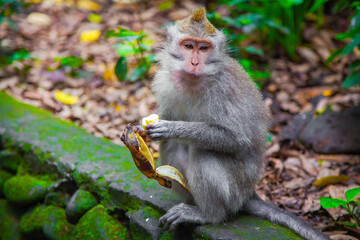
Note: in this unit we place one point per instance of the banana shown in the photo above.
(144, 160)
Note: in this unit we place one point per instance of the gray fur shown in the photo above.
(215, 135)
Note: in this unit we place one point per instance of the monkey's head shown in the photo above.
(195, 47)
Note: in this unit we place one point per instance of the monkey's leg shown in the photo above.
(210, 188)
(175, 154)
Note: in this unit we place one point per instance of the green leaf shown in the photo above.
(269, 137)
(71, 61)
(253, 50)
(257, 75)
(95, 18)
(351, 80)
(125, 49)
(351, 193)
(332, 202)
(125, 35)
(121, 69)
(20, 54)
(354, 65)
(316, 5)
(137, 73)
(163, 6)
(348, 48)
(333, 55)
(346, 35)
(245, 63)
(347, 224)
(355, 21)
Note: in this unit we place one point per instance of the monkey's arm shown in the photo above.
(205, 135)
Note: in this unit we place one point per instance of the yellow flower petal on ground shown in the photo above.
(88, 5)
(65, 98)
(90, 36)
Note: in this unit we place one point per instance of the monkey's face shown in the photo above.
(195, 52)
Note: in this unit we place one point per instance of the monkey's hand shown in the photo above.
(181, 213)
(159, 131)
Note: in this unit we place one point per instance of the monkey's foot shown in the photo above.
(181, 213)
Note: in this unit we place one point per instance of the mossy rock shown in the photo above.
(9, 225)
(79, 203)
(10, 160)
(58, 199)
(4, 175)
(98, 224)
(25, 190)
(45, 222)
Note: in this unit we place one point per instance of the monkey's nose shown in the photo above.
(194, 61)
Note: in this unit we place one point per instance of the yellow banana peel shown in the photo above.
(144, 160)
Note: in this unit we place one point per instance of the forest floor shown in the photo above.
(105, 105)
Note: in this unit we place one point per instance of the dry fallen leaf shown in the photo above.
(322, 182)
(65, 98)
(88, 5)
(39, 19)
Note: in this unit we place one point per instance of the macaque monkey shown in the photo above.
(213, 128)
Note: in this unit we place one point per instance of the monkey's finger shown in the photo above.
(175, 224)
(169, 218)
(163, 221)
(139, 129)
(156, 136)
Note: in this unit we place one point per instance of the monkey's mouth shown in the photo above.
(191, 75)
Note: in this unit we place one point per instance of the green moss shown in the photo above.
(58, 199)
(84, 200)
(9, 229)
(45, 222)
(138, 233)
(98, 224)
(79, 203)
(25, 190)
(3, 177)
(10, 160)
(149, 212)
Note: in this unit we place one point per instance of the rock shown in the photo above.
(3, 177)
(45, 222)
(292, 130)
(9, 226)
(98, 224)
(334, 132)
(79, 203)
(25, 190)
(10, 160)
(144, 223)
(58, 199)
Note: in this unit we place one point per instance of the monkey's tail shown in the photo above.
(269, 211)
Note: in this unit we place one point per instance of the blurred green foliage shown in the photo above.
(351, 205)
(7, 55)
(132, 44)
(352, 34)
(73, 67)
(7, 9)
(276, 21)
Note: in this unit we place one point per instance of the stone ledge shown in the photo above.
(49, 145)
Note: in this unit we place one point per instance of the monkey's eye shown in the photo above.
(188, 46)
(204, 48)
